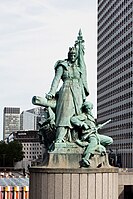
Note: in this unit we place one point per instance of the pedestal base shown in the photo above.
(48, 183)
(98, 161)
(69, 155)
(63, 179)
(65, 155)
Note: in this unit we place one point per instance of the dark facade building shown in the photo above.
(11, 120)
(115, 75)
(31, 146)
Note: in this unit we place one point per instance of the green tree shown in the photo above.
(10, 153)
(3, 152)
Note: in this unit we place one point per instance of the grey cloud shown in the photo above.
(17, 17)
(35, 10)
(73, 4)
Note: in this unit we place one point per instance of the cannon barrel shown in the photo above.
(41, 101)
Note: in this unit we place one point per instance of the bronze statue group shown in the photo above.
(69, 115)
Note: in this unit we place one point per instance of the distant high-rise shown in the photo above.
(115, 75)
(29, 119)
(11, 120)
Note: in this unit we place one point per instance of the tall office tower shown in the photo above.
(11, 120)
(115, 75)
(29, 119)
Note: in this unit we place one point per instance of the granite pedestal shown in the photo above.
(63, 179)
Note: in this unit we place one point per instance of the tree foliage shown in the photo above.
(10, 153)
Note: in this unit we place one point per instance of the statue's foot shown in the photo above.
(85, 163)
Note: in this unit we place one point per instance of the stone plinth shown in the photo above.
(73, 183)
(65, 155)
(69, 155)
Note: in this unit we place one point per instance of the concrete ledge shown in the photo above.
(43, 169)
(125, 178)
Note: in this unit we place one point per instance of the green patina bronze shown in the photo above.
(73, 120)
(88, 134)
(73, 91)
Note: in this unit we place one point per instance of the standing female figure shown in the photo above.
(70, 96)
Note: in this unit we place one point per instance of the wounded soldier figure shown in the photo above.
(89, 133)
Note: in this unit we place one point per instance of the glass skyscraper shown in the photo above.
(115, 75)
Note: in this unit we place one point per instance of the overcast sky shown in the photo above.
(34, 34)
